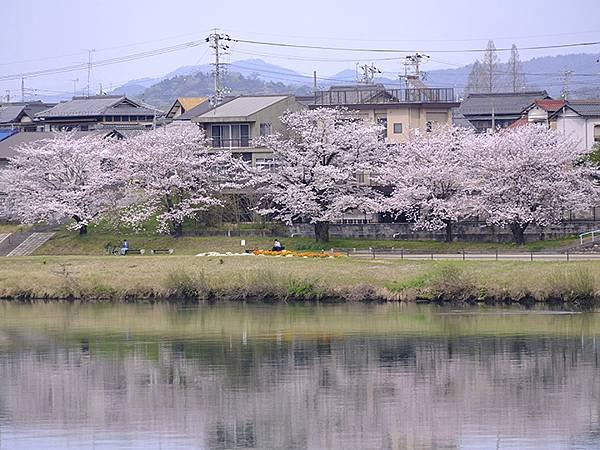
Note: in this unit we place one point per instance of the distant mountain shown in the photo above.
(255, 76)
(546, 72)
(201, 84)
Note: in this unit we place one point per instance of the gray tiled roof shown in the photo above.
(502, 103)
(242, 107)
(586, 108)
(95, 106)
(9, 145)
(9, 113)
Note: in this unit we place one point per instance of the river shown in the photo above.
(294, 377)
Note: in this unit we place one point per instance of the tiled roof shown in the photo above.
(95, 106)
(242, 106)
(585, 107)
(512, 103)
(549, 104)
(9, 113)
(519, 123)
(9, 145)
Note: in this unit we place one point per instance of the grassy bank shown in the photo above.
(69, 243)
(188, 278)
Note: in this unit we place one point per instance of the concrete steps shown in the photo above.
(30, 244)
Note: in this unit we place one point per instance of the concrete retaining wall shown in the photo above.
(466, 231)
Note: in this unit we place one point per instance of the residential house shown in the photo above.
(235, 124)
(182, 105)
(497, 110)
(580, 118)
(97, 112)
(22, 115)
(398, 110)
(540, 111)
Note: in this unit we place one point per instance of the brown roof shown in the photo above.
(519, 123)
(191, 102)
(549, 104)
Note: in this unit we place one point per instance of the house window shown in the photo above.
(382, 121)
(596, 133)
(268, 164)
(230, 135)
(265, 129)
(397, 128)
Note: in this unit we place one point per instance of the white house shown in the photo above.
(581, 119)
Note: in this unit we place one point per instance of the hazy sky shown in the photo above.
(44, 34)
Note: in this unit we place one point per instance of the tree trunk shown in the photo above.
(176, 229)
(518, 232)
(448, 231)
(322, 232)
(82, 228)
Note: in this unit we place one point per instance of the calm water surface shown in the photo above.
(391, 376)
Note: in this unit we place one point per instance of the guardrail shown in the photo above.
(593, 234)
(480, 255)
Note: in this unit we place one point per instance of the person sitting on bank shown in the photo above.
(277, 247)
(124, 247)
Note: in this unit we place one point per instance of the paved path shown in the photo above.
(29, 245)
(3, 237)
(482, 256)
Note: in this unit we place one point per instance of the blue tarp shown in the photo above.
(6, 133)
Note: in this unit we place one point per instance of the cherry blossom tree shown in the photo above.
(172, 175)
(65, 176)
(430, 179)
(318, 160)
(530, 176)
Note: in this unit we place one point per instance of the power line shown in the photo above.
(382, 50)
(104, 62)
(484, 39)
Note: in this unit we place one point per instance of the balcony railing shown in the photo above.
(378, 95)
(231, 143)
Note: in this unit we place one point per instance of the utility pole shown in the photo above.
(8, 96)
(217, 42)
(75, 86)
(22, 89)
(415, 61)
(314, 82)
(367, 73)
(565, 79)
(89, 71)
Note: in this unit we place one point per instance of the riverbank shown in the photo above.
(271, 279)
(95, 242)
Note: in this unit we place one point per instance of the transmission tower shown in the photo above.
(566, 76)
(366, 73)
(218, 43)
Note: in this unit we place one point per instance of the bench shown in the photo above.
(131, 251)
(161, 251)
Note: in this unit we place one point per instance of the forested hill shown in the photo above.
(201, 84)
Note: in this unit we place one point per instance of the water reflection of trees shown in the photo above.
(357, 392)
